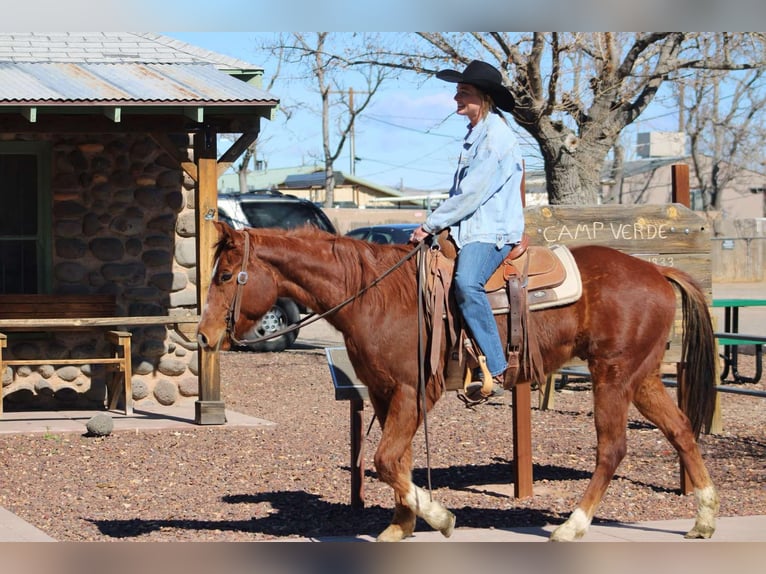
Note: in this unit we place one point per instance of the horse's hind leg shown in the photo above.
(610, 412)
(653, 401)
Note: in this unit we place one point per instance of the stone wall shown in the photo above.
(122, 223)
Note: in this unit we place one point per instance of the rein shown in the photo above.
(242, 277)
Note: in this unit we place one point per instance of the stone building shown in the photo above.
(104, 188)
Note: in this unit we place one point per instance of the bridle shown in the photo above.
(233, 313)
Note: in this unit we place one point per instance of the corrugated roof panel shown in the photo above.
(109, 47)
(58, 83)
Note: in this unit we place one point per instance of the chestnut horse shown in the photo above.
(619, 326)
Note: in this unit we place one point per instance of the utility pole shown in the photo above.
(352, 143)
(351, 130)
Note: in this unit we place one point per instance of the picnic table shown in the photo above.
(732, 339)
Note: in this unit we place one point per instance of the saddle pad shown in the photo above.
(566, 292)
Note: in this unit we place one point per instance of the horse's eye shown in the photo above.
(225, 277)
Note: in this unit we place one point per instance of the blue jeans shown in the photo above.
(475, 263)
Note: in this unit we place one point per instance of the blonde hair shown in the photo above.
(488, 106)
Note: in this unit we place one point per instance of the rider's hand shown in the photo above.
(418, 235)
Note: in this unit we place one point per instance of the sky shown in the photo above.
(408, 136)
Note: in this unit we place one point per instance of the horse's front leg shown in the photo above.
(393, 462)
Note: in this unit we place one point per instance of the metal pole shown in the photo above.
(352, 154)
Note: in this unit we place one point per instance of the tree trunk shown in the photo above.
(329, 185)
(572, 178)
(242, 173)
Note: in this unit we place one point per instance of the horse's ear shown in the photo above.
(223, 228)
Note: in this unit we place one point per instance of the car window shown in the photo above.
(223, 216)
(358, 233)
(379, 237)
(283, 215)
(401, 235)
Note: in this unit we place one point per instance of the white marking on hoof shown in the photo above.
(449, 529)
(394, 533)
(575, 527)
(437, 517)
(707, 509)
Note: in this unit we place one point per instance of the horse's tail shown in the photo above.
(698, 350)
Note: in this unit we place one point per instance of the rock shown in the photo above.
(100, 424)
(165, 392)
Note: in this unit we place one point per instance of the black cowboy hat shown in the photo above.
(485, 77)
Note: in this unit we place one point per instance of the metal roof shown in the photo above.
(122, 83)
(67, 70)
(109, 47)
(317, 179)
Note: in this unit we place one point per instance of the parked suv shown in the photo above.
(272, 209)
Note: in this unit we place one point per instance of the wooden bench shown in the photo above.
(44, 313)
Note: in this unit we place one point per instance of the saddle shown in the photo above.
(528, 279)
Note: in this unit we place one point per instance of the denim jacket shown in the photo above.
(485, 198)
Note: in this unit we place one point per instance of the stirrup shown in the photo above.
(478, 390)
(486, 388)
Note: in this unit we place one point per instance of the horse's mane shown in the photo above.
(362, 261)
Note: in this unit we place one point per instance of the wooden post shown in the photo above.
(522, 439)
(356, 420)
(680, 186)
(546, 392)
(686, 483)
(209, 409)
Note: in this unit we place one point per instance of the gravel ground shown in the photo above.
(292, 480)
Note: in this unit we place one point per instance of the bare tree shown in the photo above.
(249, 155)
(328, 70)
(575, 92)
(724, 120)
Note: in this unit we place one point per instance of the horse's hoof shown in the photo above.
(394, 533)
(450, 527)
(699, 533)
(566, 533)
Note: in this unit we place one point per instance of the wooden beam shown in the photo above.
(209, 409)
(162, 140)
(236, 150)
(97, 122)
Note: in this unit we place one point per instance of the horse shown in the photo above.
(619, 326)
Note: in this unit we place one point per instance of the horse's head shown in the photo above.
(238, 276)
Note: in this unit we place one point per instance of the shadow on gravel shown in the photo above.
(464, 477)
(300, 514)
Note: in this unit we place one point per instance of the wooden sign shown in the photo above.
(665, 234)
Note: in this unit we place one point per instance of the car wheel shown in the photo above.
(283, 314)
